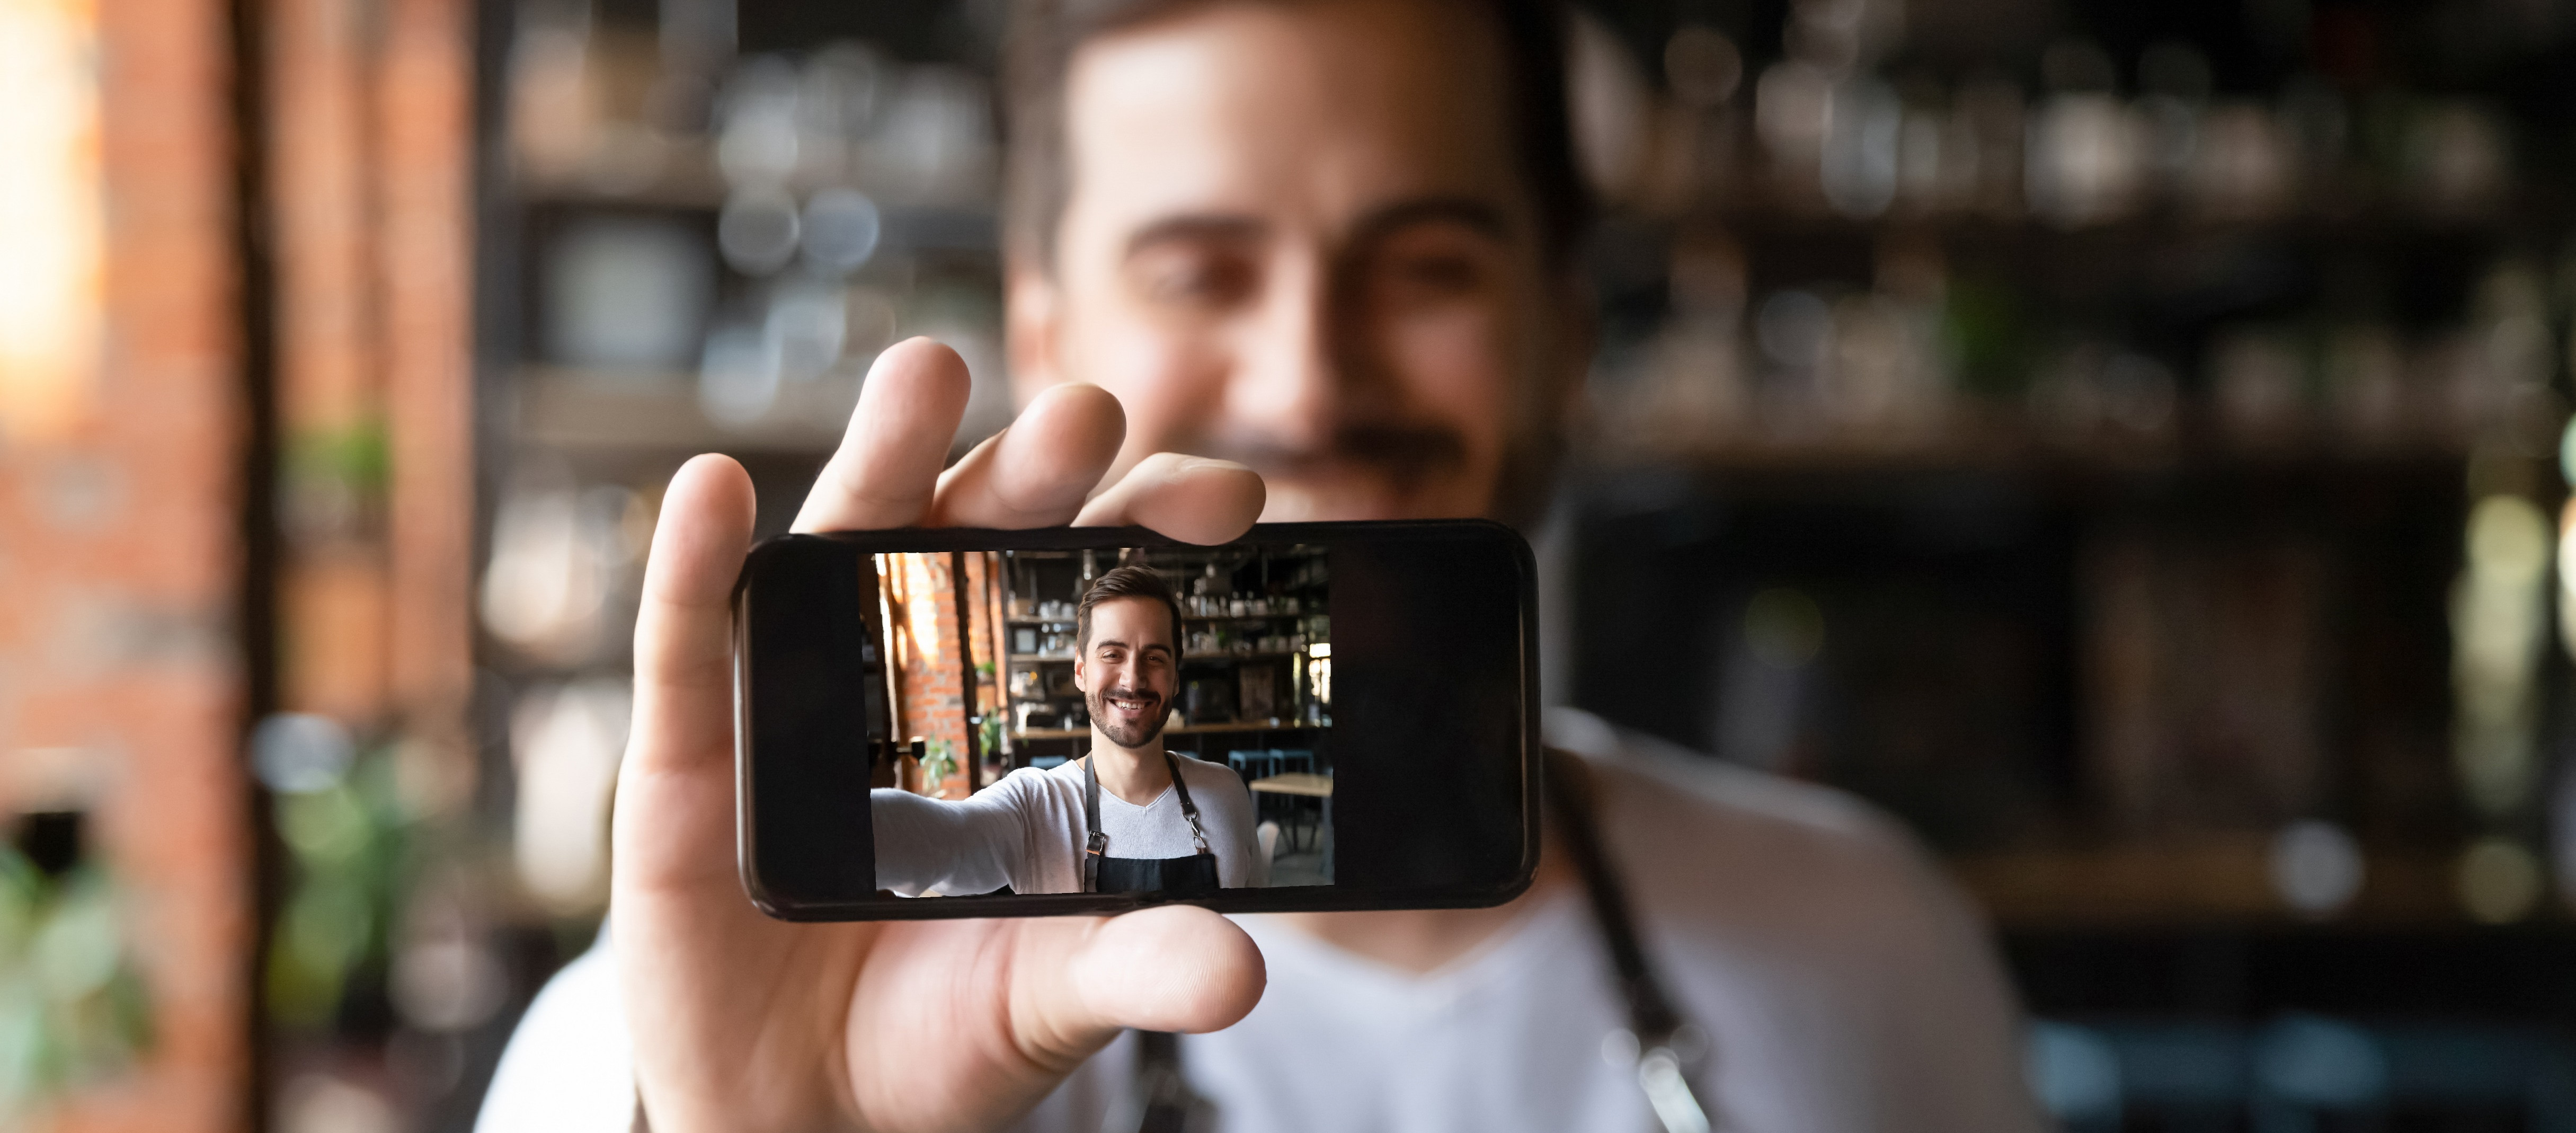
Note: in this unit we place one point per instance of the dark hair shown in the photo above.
(1125, 582)
(1037, 57)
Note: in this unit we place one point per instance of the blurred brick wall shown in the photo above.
(120, 564)
(425, 258)
(371, 152)
(121, 554)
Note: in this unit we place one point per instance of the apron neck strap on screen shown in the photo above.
(1095, 845)
(1094, 842)
(1198, 833)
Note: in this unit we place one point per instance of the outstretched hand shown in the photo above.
(741, 1022)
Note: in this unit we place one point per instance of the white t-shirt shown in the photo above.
(1845, 986)
(1027, 832)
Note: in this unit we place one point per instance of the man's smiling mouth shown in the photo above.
(1133, 705)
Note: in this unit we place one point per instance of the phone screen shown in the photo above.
(938, 723)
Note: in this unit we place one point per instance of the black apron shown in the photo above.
(1666, 1050)
(1190, 875)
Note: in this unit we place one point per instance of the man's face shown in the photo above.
(1295, 238)
(1127, 671)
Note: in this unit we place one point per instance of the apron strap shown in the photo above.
(1095, 845)
(1198, 833)
(1667, 1044)
(1569, 796)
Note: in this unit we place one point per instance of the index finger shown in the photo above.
(888, 464)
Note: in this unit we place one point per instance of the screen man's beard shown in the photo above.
(1125, 734)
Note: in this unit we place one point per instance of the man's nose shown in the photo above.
(1288, 385)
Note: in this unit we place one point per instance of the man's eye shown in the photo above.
(1196, 280)
(1441, 273)
(1431, 276)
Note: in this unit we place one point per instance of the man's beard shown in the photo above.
(1124, 734)
(1405, 467)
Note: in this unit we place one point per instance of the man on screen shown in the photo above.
(1128, 818)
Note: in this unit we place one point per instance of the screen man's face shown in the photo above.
(1295, 238)
(1127, 671)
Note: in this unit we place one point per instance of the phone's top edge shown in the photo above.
(1048, 538)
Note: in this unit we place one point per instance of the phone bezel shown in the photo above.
(1288, 899)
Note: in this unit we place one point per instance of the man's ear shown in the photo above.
(1032, 329)
(1081, 679)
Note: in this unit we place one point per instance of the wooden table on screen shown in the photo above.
(1309, 785)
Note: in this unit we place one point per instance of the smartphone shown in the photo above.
(977, 723)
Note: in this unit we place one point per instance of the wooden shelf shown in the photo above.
(1975, 437)
(2202, 879)
(1182, 730)
(569, 409)
(686, 180)
(2352, 218)
(1184, 617)
(1186, 658)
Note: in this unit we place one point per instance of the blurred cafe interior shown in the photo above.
(2123, 442)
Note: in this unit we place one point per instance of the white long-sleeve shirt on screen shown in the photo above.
(1846, 988)
(1027, 832)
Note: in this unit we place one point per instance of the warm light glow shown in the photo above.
(2499, 628)
(51, 226)
(2498, 881)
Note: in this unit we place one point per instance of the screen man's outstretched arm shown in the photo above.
(974, 846)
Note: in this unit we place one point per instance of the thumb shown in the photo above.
(1175, 968)
(1024, 1002)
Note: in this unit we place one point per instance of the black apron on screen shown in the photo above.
(1190, 875)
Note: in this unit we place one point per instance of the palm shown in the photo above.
(743, 1022)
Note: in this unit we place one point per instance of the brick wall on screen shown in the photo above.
(933, 701)
(931, 672)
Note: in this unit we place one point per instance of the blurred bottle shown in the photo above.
(1694, 390)
(2458, 160)
(2259, 379)
(2089, 151)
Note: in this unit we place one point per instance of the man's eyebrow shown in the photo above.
(1481, 216)
(1196, 226)
(1114, 643)
(1468, 212)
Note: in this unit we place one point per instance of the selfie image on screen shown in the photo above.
(1146, 720)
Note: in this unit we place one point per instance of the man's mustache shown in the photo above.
(1406, 455)
(1131, 694)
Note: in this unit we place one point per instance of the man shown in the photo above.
(1330, 239)
(1129, 817)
